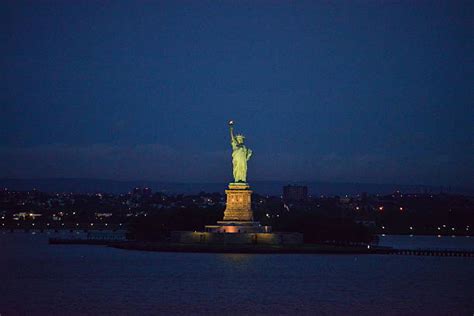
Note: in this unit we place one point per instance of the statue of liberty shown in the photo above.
(240, 155)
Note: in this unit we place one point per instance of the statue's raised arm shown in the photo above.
(232, 137)
(240, 155)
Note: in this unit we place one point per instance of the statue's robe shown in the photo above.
(240, 156)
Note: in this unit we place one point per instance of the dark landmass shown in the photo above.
(228, 248)
(151, 216)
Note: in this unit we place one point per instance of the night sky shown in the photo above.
(350, 91)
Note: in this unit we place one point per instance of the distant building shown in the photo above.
(147, 192)
(345, 199)
(295, 193)
(25, 215)
(142, 192)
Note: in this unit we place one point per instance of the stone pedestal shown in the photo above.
(239, 203)
(238, 215)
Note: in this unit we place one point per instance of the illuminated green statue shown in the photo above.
(240, 155)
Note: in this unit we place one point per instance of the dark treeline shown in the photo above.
(159, 225)
(320, 228)
(315, 227)
(153, 215)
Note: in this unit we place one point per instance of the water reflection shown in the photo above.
(236, 258)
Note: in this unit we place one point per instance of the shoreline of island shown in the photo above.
(251, 249)
(160, 246)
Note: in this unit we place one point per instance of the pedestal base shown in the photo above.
(238, 227)
(184, 237)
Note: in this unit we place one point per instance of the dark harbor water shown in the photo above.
(39, 279)
(427, 242)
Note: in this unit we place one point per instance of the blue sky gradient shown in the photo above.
(351, 91)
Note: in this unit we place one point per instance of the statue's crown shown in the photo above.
(240, 136)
